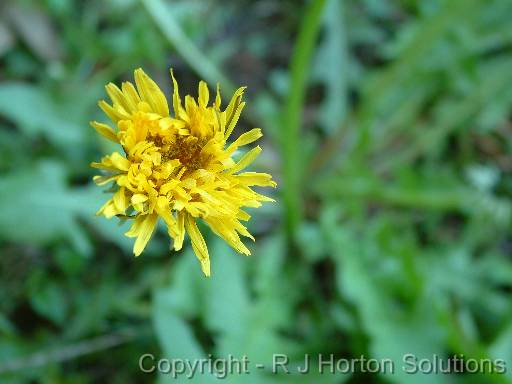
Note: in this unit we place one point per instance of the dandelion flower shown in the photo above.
(178, 168)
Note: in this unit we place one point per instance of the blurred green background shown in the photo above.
(387, 127)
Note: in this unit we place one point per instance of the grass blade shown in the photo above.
(199, 62)
(299, 70)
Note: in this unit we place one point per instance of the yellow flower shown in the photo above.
(178, 168)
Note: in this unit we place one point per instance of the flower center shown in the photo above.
(187, 149)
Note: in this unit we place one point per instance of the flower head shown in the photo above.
(178, 168)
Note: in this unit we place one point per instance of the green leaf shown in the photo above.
(37, 207)
(176, 338)
(331, 67)
(501, 348)
(50, 301)
(392, 332)
(35, 112)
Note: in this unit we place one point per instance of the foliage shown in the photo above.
(388, 126)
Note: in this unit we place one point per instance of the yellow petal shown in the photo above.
(256, 178)
(134, 229)
(233, 110)
(108, 210)
(242, 215)
(118, 98)
(131, 95)
(246, 159)
(119, 161)
(138, 198)
(190, 103)
(105, 131)
(244, 139)
(204, 94)
(221, 121)
(102, 180)
(114, 162)
(198, 244)
(225, 229)
(120, 201)
(218, 98)
(103, 165)
(180, 231)
(151, 93)
(142, 228)
(114, 114)
(176, 100)
(170, 221)
(234, 102)
(234, 119)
